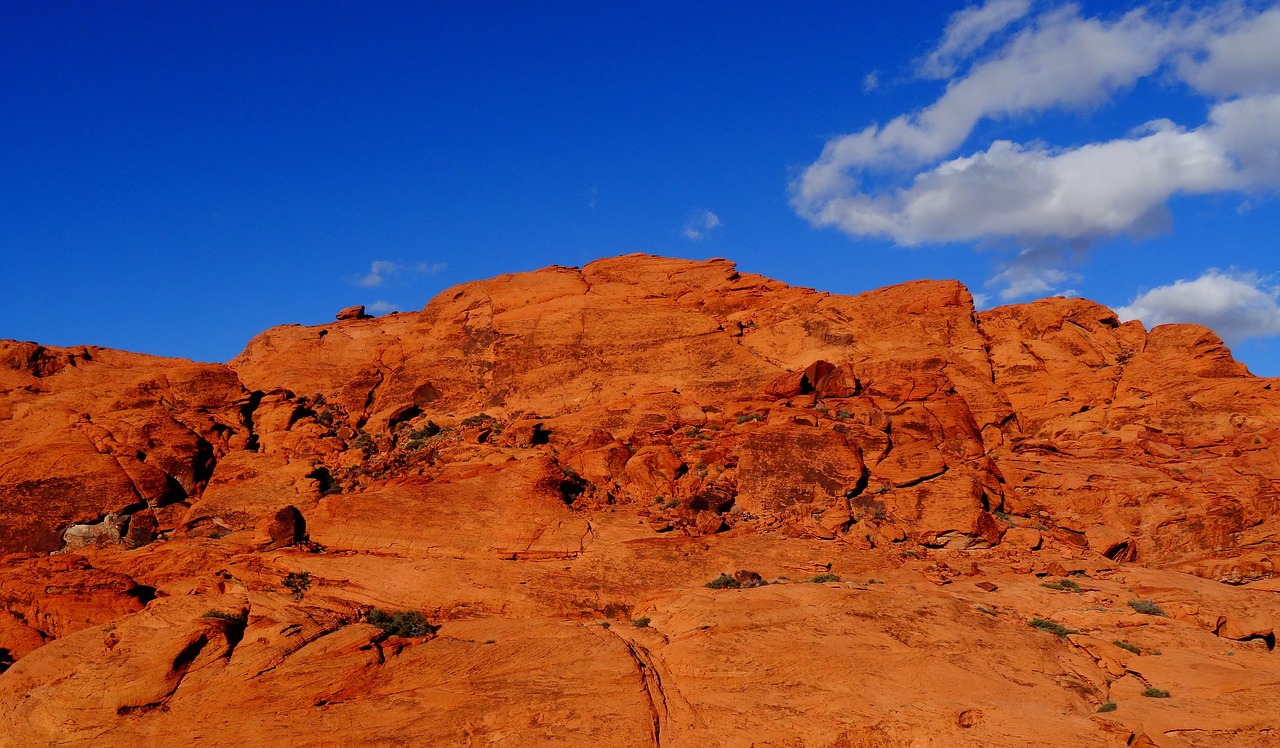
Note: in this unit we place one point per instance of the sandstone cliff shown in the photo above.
(540, 462)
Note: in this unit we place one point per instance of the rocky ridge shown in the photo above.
(542, 462)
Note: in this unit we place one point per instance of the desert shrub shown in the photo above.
(400, 623)
(1065, 585)
(1155, 693)
(987, 611)
(745, 417)
(1052, 627)
(420, 436)
(1148, 607)
(641, 623)
(615, 610)
(477, 419)
(297, 583)
(823, 578)
(744, 580)
(240, 617)
(1128, 646)
(1110, 706)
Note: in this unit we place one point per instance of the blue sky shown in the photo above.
(181, 176)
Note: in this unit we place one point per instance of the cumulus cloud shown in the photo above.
(382, 307)
(967, 31)
(905, 181)
(699, 224)
(1234, 305)
(384, 271)
(1239, 59)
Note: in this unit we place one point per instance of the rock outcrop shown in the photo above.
(548, 467)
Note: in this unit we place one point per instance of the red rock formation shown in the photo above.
(536, 460)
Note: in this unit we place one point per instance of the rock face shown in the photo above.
(549, 467)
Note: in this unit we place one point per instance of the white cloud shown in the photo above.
(699, 225)
(382, 307)
(379, 271)
(905, 181)
(1239, 59)
(1234, 305)
(1032, 193)
(871, 82)
(430, 268)
(967, 31)
(1032, 272)
(383, 271)
(1062, 61)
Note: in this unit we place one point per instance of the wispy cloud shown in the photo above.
(967, 31)
(1234, 305)
(379, 271)
(699, 224)
(1032, 272)
(382, 272)
(382, 307)
(1033, 193)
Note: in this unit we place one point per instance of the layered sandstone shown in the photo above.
(536, 460)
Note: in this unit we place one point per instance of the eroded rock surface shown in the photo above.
(975, 528)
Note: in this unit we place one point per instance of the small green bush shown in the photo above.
(641, 623)
(1056, 629)
(240, 617)
(1155, 693)
(1128, 646)
(1148, 607)
(404, 623)
(297, 583)
(1065, 585)
(729, 582)
(823, 578)
(1110, 706)
(750, 417)
(417, 438)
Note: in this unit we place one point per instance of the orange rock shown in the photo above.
(491, 464)
(1023, 538)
